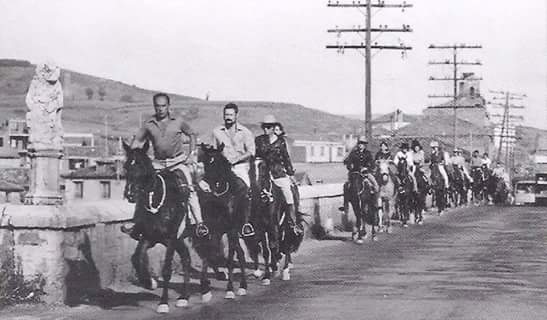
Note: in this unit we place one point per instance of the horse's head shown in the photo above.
(216, 166)
(383, 169)
(402, 167)
(138, 170)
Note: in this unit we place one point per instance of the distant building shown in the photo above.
(393, 121)
(318, 151)
(471, 105)
(102, 181)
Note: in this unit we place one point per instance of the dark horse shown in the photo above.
(405, 192)
(160, 209)
(497, 189)
(459, 186)
(439, 187)
(478, 176)
(223, 211)
(274, 234)
(364, 204)
(420, 195)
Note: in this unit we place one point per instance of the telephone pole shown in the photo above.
(368, 46)
(454, 63)
(507, 126)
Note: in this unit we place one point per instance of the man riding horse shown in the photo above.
(360, 160)
(166, 132)
(272, 149)
(239, 147)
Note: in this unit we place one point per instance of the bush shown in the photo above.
(89, 93)
(14, 288)
(127, 98)
(102, 93)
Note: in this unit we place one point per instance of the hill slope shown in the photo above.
(125, 105)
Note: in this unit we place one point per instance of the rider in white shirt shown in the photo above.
(486, 161)
(403, 154)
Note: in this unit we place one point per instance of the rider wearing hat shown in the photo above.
(437, 160)
(458, 160)
(404, 155)
(383, 153)
(360, 160)
(272, 149)
(476, 161)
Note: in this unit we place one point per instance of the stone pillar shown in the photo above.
(45, 103)
(44, 177)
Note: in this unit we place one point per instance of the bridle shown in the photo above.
(150, 208)
(226, 189)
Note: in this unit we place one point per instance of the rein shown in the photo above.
(151, 208)
(220, 194)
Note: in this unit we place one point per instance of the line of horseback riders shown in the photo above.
(385, 186)
(238, 186)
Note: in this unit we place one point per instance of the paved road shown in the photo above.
(479, 263)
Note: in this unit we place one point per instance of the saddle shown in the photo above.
(183, 187)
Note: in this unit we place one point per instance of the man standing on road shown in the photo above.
(239, 147)
(166, 133)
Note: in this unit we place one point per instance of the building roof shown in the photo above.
(6, 186)
(388, 117)
(107, 170)
(441, 125)
(9, 153)
(83, 151)
(465, 101)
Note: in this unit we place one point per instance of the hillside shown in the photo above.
(124, 105)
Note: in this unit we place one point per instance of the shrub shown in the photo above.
(89, 93)
(14, 288)
(127, 98)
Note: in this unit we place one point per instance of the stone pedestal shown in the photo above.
(44, 177)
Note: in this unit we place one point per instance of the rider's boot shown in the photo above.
(132, 230)
(247, 229)
(298, 228)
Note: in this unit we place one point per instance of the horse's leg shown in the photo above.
(286, 269)
(182, 250)
(204, 283)
(140, 263)
(242, 291)
(357, 213)
(268, 259)
(166, 272)
(231, 251)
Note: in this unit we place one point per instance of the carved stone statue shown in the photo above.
(45, 103)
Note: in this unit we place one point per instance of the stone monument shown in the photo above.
(45, 103)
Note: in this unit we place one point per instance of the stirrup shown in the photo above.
(201, 230)
(247, 230)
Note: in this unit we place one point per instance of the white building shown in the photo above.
(317, 151)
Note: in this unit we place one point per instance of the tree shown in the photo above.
(102, 92)
(89, 93)
(127, 98)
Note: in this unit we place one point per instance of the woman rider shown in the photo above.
(383, 153)
(273, 150)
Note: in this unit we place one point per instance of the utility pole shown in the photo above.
(106, 135)
(368, 46)
(507, 136)
(454, 63)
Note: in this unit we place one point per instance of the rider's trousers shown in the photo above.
(284, 183)
(443, 173)
(193, 202)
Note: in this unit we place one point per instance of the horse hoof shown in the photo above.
(286, 275)
(374, 239)
(359, 241)
(405, 225)
(230, 295)
(206, 297)
(153, 284)
(420, 222)
(163, 308)
(258, 273)
(241, 292)
(266, 282)
(182, 303)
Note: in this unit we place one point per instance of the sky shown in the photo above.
(275, 50)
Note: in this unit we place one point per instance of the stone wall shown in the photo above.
(80, 245)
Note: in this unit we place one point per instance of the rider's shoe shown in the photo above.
(298, 229)
(247, 230)
(201, 230)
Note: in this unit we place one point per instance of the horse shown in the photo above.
(274, 232)
(159, 214)
(498, 189)
(387, 196)
(458, 186)
(477, 186)
(223, 212)
(420, 195)
(439, 188)
(363, 201)
(405, 191)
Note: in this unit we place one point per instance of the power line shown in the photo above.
(454, 78)
(367, 45)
